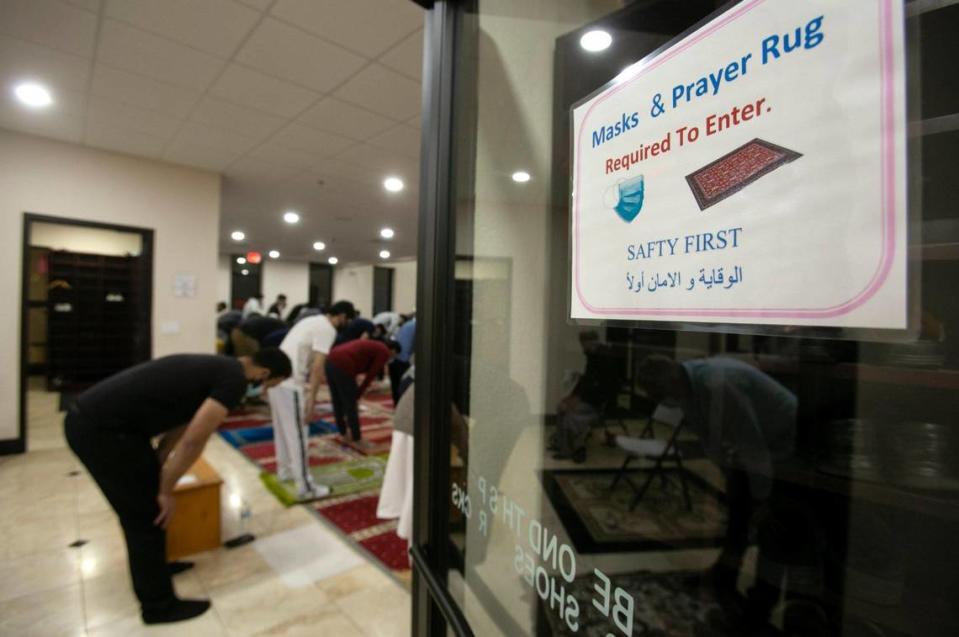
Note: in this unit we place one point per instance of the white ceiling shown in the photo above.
(300, 104)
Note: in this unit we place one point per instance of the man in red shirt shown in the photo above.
(344, 363)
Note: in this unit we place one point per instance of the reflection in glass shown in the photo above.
(611, 480)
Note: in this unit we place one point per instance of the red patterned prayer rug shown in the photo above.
(737, 169)
(355, 515)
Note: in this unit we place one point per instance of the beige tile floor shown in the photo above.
(48, 589)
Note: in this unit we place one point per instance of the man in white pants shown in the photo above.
(307, 344)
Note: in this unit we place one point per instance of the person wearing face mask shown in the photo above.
(180, 400)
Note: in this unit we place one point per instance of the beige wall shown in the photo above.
(181, 205)
(404, 287)
(57, 236)
(289, 278)
(354, 283)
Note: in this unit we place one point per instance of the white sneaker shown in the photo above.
(315, 492)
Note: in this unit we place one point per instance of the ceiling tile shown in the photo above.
(256, 90)
(370, 87)
(131, 49)
(335, 116)
(250, 169)
(186, 152)
(25, 60)
(406, 57)
(63, 122)
(340, 175)
(109, 113)
(214, 26)
(124, 140)
(400, 139)
(218, 138)
(60, 26)
(89, 5)
(365, 26)
(260, 5)
(315, 142)
(145, 92)
(380, 164)
(290, 53)
(250, 122)
(280, 155)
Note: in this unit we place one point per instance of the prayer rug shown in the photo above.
(735, 170)
(354, 474)
(355, 516)
(599, 520)
(343, 478)
(670, 604)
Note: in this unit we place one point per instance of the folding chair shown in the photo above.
(658, 451)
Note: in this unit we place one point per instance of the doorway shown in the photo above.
(246, 280)
(321, 285)
(86, 307)
(382, 290)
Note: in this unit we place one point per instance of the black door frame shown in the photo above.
(19, 444)
(434, 609)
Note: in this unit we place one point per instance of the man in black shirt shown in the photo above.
(182, 399)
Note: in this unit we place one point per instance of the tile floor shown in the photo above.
(48, 589)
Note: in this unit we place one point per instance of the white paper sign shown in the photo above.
(184, 286)
(754, 172)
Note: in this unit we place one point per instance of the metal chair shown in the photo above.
(659, 451)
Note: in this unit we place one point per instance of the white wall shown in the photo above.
(404, 287)
(58, 236)
(289, 278)
(354, 283)
(181, 205)
(224, 281)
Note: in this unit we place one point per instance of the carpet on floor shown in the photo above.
(353, 472)
(356, 517)
(667, 604)
(599, 520)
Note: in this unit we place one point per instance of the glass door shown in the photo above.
(764, 475)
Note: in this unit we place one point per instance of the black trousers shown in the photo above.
(397, 369)
(343, 393)
(784, 536)
(127, 470)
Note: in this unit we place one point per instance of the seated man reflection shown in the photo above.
(595, 390)
(747, 422)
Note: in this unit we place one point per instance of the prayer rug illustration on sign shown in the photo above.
(737, 169)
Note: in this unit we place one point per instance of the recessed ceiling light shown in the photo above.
(274, 254)
(244, 272)
(241, 260)
(387, 233)
(521, 176)
(238, 235)
(319, 245)
(596, 40)
(291, 216)
(384, 254)
(333, 260)
(393, 184)
(33, 95)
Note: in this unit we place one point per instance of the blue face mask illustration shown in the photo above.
(631, 195)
